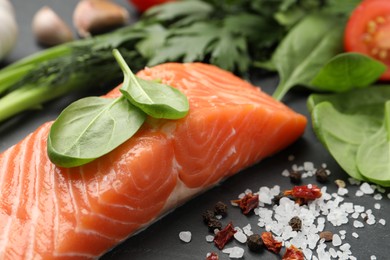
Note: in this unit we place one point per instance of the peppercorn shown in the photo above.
(220, 208)
(207, 216)
(295, 177)
(295, 223)
(255, 243)
(214, 224)
(276, 199)
(327, 235)
(321, 175)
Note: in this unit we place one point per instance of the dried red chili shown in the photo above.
(270, 242)
(247, 203)
(305, 192)
(223, 236)
(212, 256)
(293, 253)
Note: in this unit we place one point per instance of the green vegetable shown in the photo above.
(156, 100)
(373, 155)
(305, 50)
(353, 126)
(92, 127)
(348, 70)
(234, 35)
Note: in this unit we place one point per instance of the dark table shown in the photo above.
(161, 239)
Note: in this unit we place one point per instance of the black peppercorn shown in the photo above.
(295, 177)
(220, 208)
(321, 175)
(255, 243)
(207, 215)
(276, 199)
(295, 223)
(214, 224)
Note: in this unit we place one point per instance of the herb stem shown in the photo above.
(32, 96)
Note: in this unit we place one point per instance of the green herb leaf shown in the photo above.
(155, 99)
(373, 155)
(305, 50)
(91, 127)
(175, 10)
(353, 126)
(347, 71)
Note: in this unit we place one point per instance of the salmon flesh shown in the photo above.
(48, 212)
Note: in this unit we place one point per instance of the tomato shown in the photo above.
(143, 5)
(368, 31)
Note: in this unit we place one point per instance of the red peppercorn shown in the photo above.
(293, 253)
(247, 203)
(270, 242)
(223, 236)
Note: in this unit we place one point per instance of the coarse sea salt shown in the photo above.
(185, 236)
(366, 188)
(234, 252)
(355, 235)
(240, 237)
(209, 238)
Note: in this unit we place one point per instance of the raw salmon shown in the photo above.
(49, 212)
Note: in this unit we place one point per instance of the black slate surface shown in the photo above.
(160, 240)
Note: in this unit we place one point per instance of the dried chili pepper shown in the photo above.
(247, 203)
(212, 256)
(293, 253)
(223, 236)
(304, 193)
(270, 243)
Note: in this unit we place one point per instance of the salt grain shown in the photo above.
(234, 252)
(378, 196)
(377, 206)
(209, 238)
(240, 237)
(373, 257)
(336, 240)
(342, 191)
(285, 173)
(358, 224)
(366, 188)
(355, 235)
(382, 221)
(359, 193)
(185, 236)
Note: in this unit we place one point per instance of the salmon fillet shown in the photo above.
(79, 213)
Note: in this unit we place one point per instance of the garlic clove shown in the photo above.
(49, 29)
(94, 16)
(9, 29)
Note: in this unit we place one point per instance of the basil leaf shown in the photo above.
(373, 155)
(305, 49)
(155, 99)
(91, 127)
(347, 71)
(354, 127)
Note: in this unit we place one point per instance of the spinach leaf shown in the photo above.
(155, 99)
(305, 49)
(373, 155)
(91, 127)
(353, 126)
(347, 71)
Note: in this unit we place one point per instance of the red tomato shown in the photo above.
(368, 31)
(143, 5)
